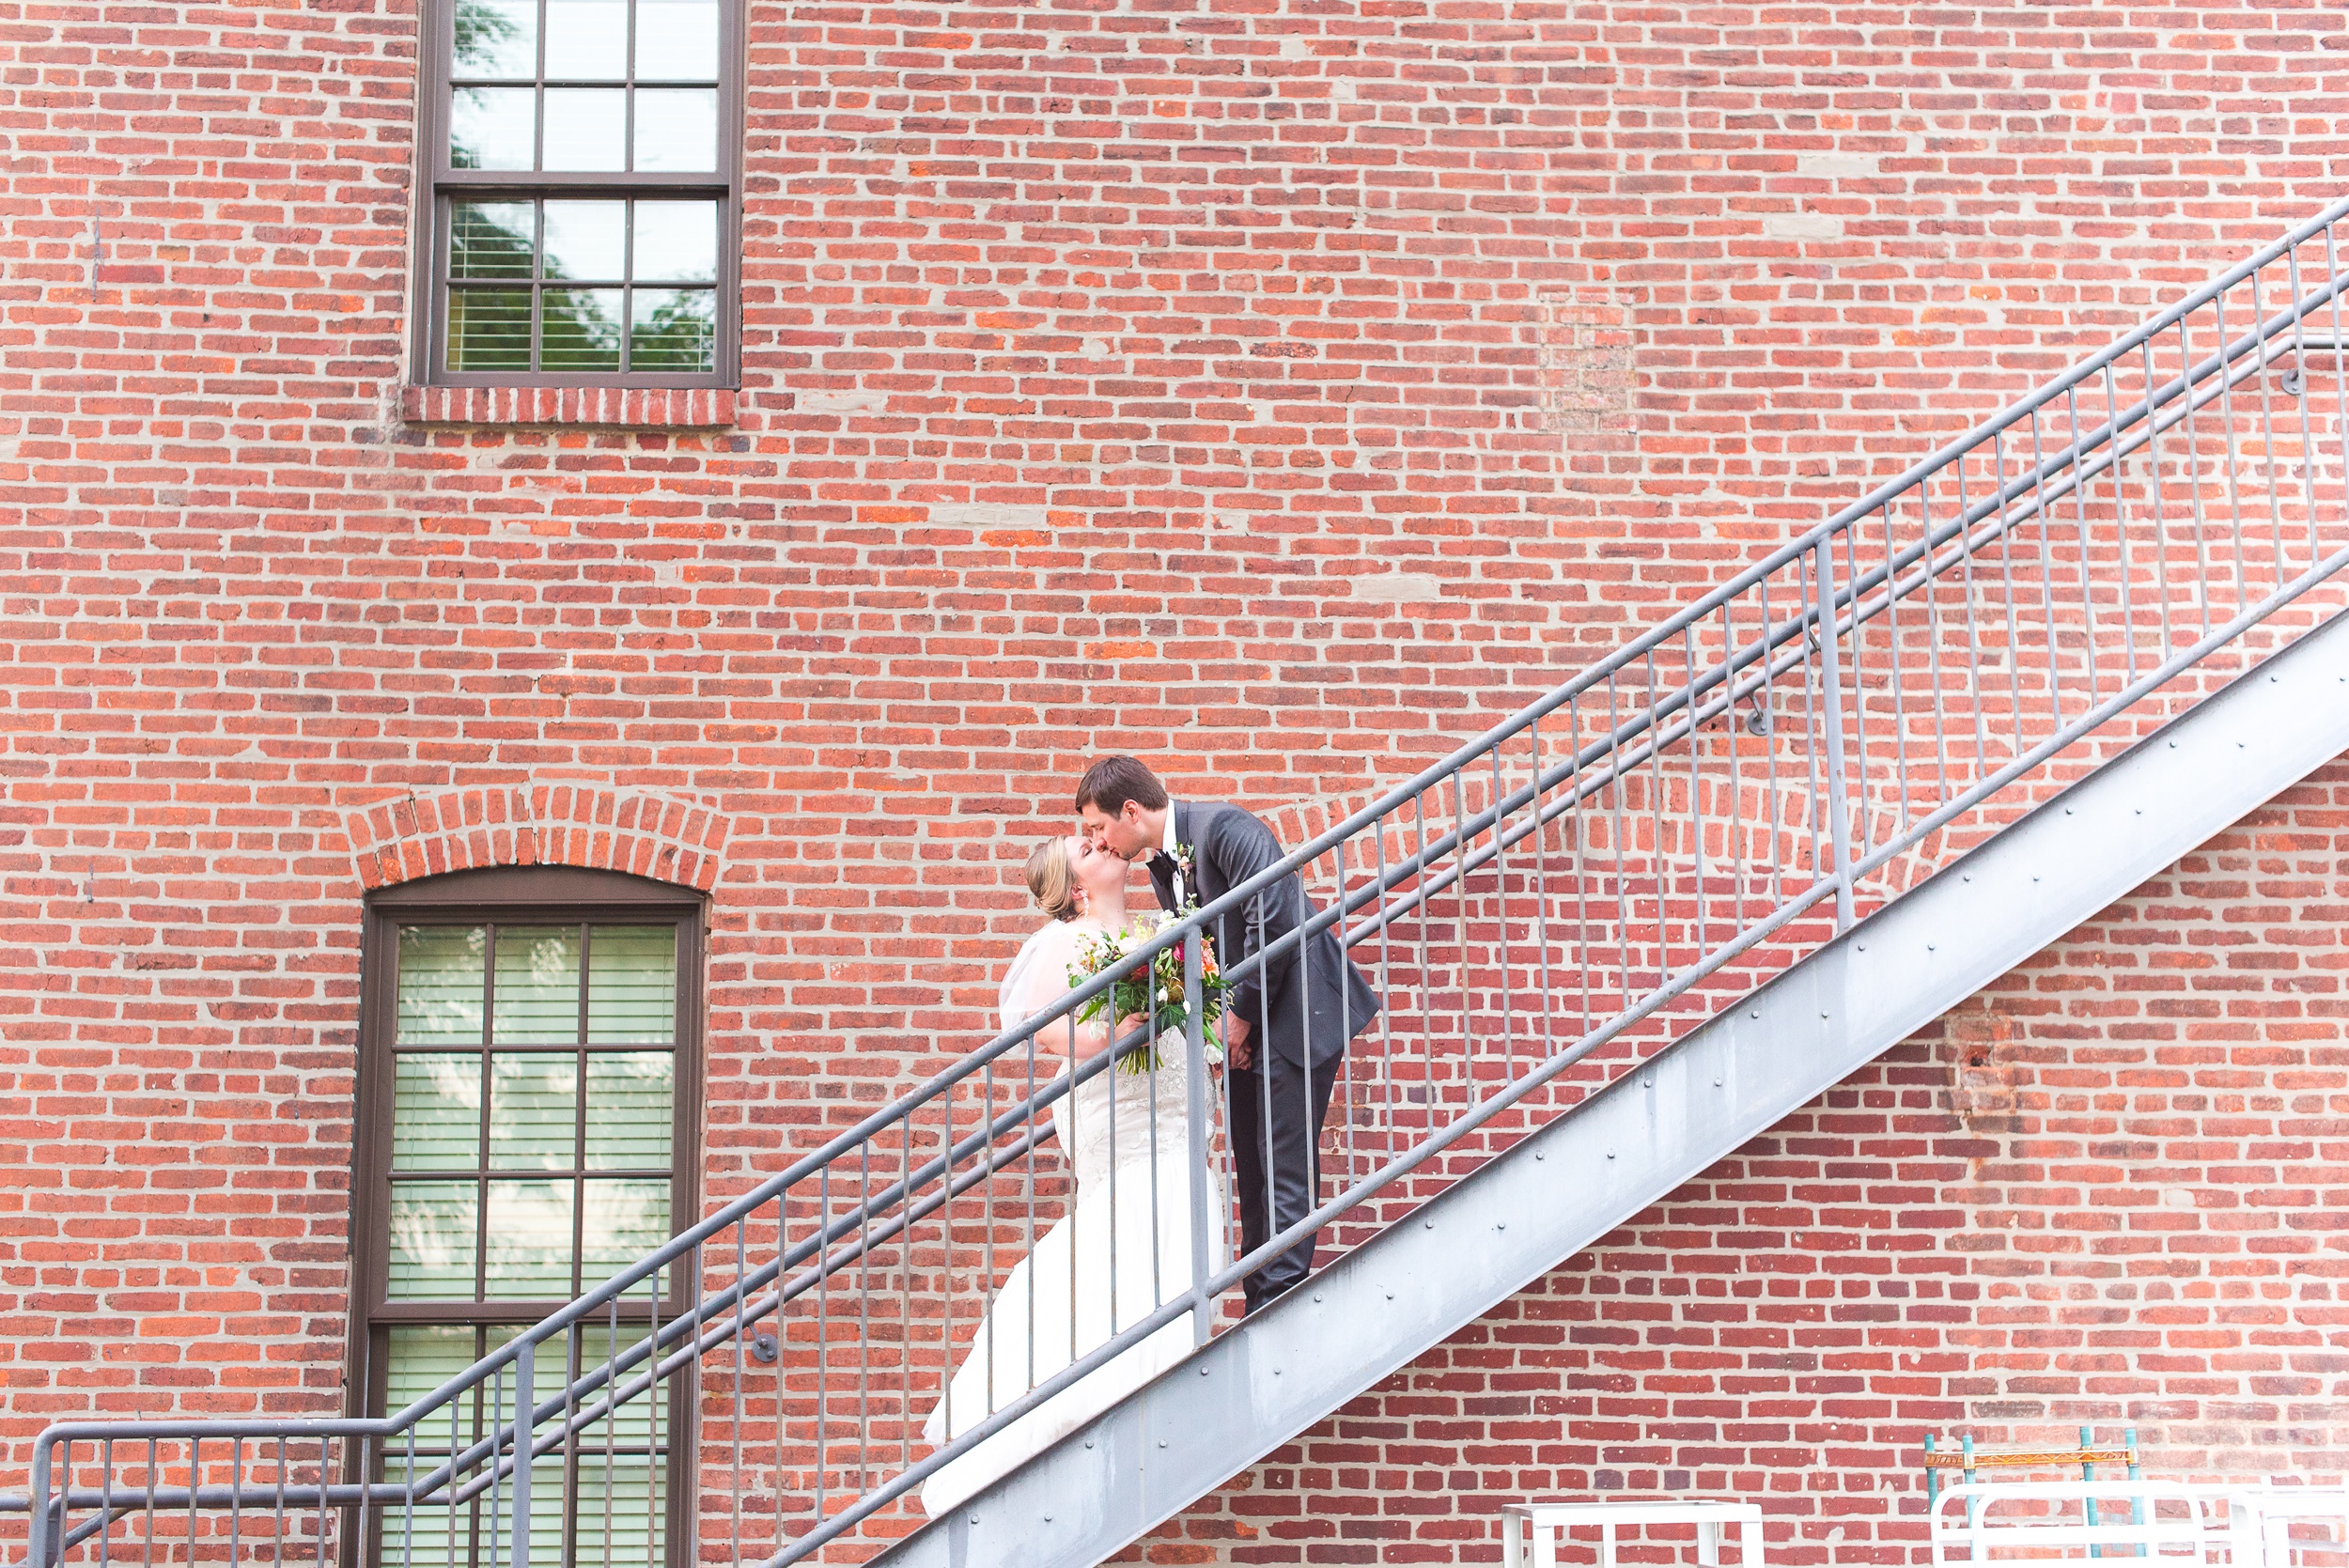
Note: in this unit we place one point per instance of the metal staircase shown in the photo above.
(1617, 936)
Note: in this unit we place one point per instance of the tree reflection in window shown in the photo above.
(581, 188)
(564, 287)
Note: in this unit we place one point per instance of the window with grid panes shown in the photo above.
(585, 169)
(526, 1069)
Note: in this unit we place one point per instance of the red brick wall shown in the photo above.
(2108, 1191)
(1201, 379)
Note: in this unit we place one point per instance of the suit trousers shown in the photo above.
(1277, 1109)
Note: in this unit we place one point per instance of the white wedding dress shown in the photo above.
(1132, 1189)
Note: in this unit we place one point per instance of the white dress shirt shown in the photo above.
(1168, 850)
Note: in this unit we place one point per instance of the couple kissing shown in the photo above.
(1125, 1247)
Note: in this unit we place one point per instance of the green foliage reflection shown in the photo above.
(578, 330)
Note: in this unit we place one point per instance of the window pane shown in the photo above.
(625, 1220)
(673, 329)
(418, 1360)
(441, 970)
(587, 40)
(586, 128)
(533, 1110)
(489, 239)
(547, 1507)
(632, 983)
(677, 241)
(622, 1513)
(581, 330)
(490, 128)
(530, 1241)
(488, 328)
(676, 130)
(436, 1111)
(676, 41)
(642, 1420)
(587, 239)
(630, 1101)
(537, 984)
(432, 1241)
(497, 41)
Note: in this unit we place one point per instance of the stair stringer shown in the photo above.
(1563, 1188)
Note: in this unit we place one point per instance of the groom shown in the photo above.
(1285, 1027)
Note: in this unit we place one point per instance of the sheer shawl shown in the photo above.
(1040, 975)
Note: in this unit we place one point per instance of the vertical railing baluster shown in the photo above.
(2194, 486)
(525, 1403)
(2308, 442)
(2340, 382)
(2267, 434)
(1892, 645)
(154, 1473)
(741, 1371)
(1195, 1155)
(2234, 459)
(1835, 802)
(42, 1535)
(2119, 476)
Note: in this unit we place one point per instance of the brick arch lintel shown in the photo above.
(639, 832)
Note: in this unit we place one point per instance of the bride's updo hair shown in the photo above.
(1052, 881)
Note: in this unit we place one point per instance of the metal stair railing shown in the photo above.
(1570, 890)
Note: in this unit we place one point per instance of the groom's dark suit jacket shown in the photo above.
(1309, 1000)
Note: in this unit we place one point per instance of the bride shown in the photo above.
(1127, 1137)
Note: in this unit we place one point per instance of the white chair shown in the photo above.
(2258, 1529)
(1532, 1532)
(2058, 1521)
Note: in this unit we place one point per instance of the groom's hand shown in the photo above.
(1236, 1052)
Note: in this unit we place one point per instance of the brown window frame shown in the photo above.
(534, 896)
(443, 183)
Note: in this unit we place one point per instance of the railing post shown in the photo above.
(525, 1405)
(40, 1551)
(1195, 1112)
(1838, 804)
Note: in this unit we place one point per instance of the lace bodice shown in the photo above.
(1113, 1116)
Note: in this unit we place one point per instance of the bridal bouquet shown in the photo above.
(1154, 993)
